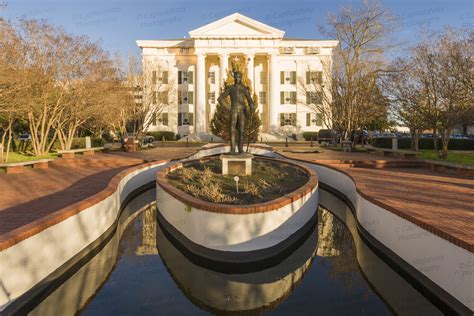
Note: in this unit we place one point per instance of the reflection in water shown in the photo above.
(142, 272)
(149, 225)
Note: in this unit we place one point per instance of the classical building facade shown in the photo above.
(289, 76)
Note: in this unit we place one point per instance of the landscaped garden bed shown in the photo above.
(269, 180)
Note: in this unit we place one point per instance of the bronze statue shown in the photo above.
(238, 93)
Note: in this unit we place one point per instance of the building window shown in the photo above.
(263, 77)
(212, 77)
(185, 77)
(314, 98)
(185, 119)
(164, 77)
(212, 97)
(185, 97)
(160, 119)
(163, 97)
(287, 77)
(288, 97)
(287, 119)
(314, 119)
(262, 97)
(153, 77)
(314, 77)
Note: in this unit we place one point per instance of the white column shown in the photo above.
(224, 64)
(200, 125)
(250, 70)
(274, 91)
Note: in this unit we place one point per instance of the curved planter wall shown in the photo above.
(29, 262)
(233, 228)
(448, 266)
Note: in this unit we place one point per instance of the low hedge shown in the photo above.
(159, 135)
(308, 135)
(77, 142)
(423, 143)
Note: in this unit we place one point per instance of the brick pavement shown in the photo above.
(439, 202)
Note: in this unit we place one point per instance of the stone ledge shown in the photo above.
(307, 188)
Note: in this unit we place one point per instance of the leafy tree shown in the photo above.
(220, 123)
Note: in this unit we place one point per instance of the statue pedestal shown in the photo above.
(238, 164)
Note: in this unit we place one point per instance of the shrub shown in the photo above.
(308, 135)
(424, 143)
(159, 135)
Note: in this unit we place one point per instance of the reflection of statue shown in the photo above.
(149, 222)
(238, 93)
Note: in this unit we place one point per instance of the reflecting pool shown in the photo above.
(140, 271)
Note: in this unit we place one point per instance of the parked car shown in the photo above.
(326, 135)
(458, 136)
(148, 139)
(384, 135)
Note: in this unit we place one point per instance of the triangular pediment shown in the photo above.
(236, 26)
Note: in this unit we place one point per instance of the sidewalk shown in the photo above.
(34, 194)
(438, 202)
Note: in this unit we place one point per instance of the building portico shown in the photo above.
(277, 69)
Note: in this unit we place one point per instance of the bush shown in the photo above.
(308, 135)
(159, 135)
(424, 143)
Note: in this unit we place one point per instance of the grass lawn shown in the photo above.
(459, 157)
(16, 157)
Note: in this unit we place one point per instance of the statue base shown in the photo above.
(237, 164)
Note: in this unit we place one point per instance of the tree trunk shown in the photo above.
(445, 142)
(435, 140)
(413, 139)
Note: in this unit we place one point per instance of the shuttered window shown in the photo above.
(262, 97)
(185, 97)
(314, 119)
(287, 97)
(314, 77)
(160, 119)
(164, 77)
(185, 119)
(287, 77)
(185, 77)
(212, 77)
(287, 119)
(314, 98)
(212, 97)
(263, 77)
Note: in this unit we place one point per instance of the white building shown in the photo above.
(283, 73)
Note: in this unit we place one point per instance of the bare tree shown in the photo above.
(151, 94)
(444, 66)
(364, 37)
(406, 97)
(13, 85)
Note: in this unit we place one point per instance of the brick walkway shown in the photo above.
(441, 203)
(34, 194)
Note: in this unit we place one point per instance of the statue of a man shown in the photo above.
(238, 93)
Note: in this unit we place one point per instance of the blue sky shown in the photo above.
(119, 23)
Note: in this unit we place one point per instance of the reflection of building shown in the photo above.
(240, 293)
(286, 74)
(326, 235)
(149, 223)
